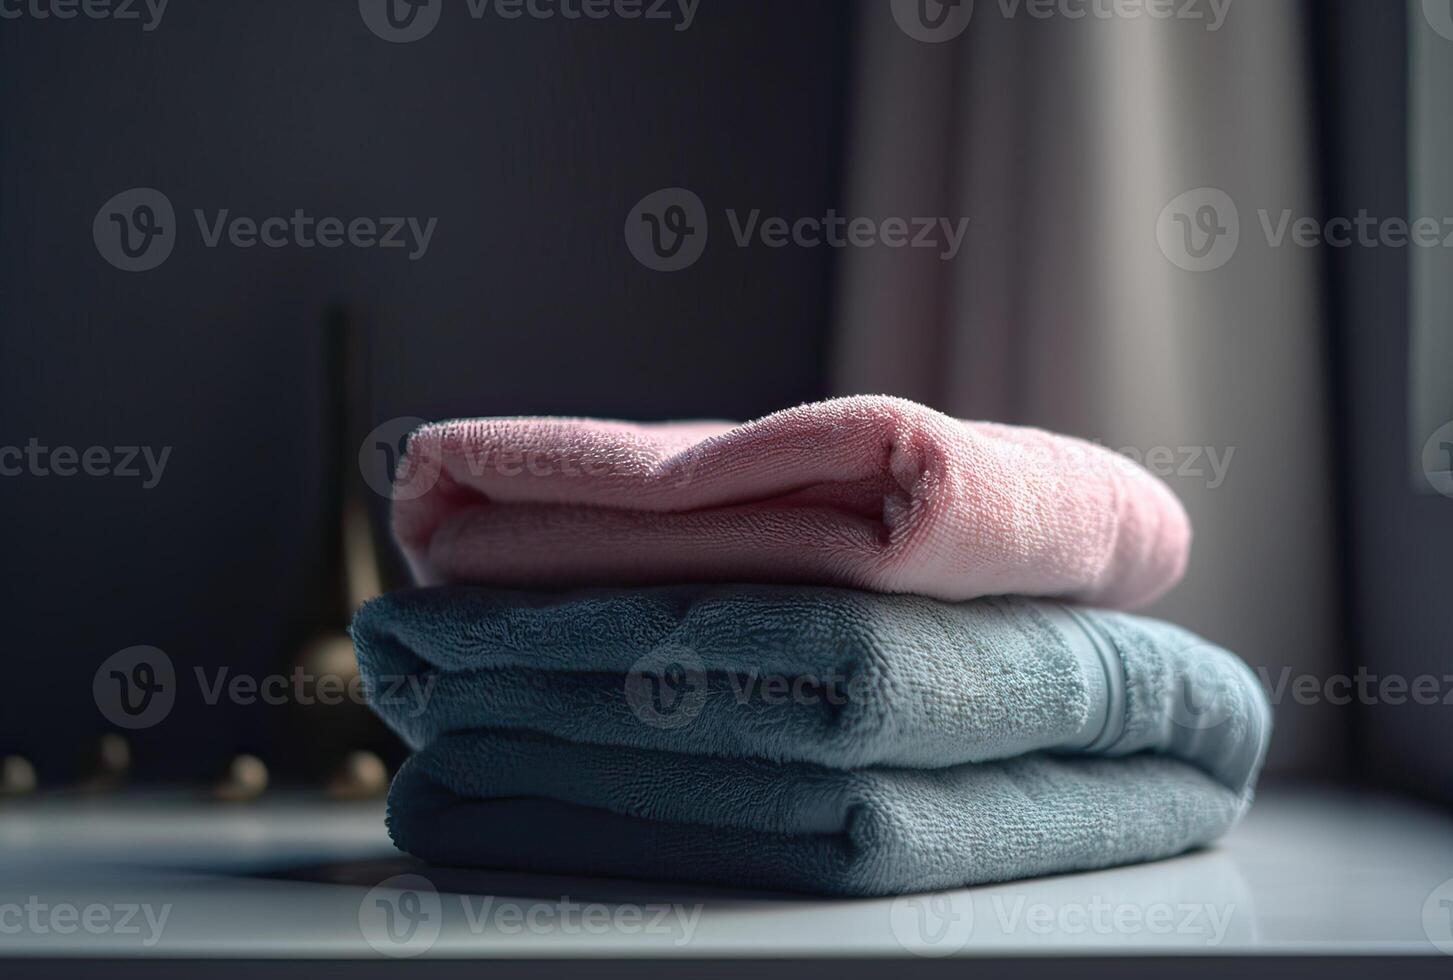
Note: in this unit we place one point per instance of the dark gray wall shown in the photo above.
(529, 140)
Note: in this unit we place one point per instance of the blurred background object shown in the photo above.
(1286, 392)
(245, 778)
(330, 724)
(17, 776)
(109, 764)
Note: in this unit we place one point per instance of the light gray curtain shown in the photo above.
(1062, 140)
(1430, 146)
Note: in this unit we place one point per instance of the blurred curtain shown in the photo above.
(1061, 140)
(1429, 79)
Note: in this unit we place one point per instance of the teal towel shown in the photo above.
(889, 736)
(526, 802)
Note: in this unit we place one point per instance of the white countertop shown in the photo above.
(1311, 872)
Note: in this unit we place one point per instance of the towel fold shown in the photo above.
(871, 492)
(529, 803)
(816, 739)
(837, 677)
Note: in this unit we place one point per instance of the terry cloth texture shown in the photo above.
(837, 677)
(815, 739)
(530, 803)
(870, 492)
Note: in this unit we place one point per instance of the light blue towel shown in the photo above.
(530, 803)
(809, 738)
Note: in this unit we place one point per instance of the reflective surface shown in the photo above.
(169, 875)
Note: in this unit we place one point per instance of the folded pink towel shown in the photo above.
(873, 492)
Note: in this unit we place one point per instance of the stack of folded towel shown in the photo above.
(810, 652)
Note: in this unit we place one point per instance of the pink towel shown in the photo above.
(870, 492)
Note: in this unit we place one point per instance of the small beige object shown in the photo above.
(330, 655)
(361, 776)
(245, 779)
(114, 753)
(17, 776)
(109, 764)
